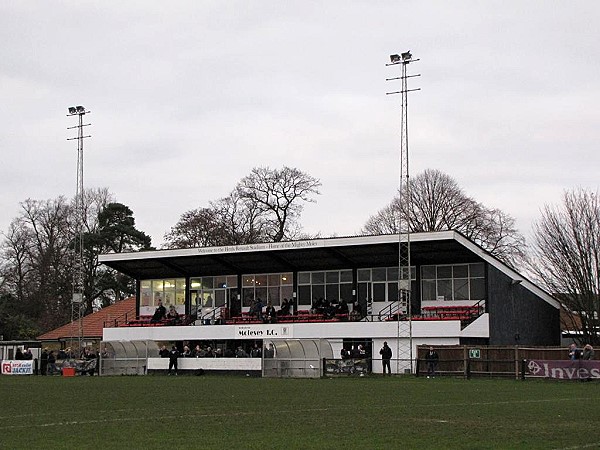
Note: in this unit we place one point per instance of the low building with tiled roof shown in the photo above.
(92, 324)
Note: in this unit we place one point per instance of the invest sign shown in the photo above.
(566, 370)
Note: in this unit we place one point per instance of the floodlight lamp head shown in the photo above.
(406, 56)
(395, 59)
(72, 110)
(80, 109)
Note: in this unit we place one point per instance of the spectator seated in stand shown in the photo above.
(164, 352)
(285, 308)
(159, 313)
(256, 309)
(342, 308)
(173, 316)
(318, 306)
(329, 309)
(187, 353)
(270, 314)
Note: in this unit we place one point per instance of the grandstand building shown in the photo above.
(460, 294)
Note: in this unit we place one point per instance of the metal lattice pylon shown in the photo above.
(77, 302)
(404, 348)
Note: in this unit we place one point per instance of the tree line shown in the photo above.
(37, 251)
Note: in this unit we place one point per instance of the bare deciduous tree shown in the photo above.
(566, 259)
(49, 281)
(437, 203)
(241, 219)
(38, 257)
(265, 206)
(195, 228)
(279, 194)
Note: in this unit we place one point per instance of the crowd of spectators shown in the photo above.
(206, 351)
(330, 309)
(353, 352)
(269, 314)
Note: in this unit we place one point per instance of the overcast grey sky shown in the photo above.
(188, 96)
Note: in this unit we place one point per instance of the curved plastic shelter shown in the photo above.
(126, 357)
(296, 358)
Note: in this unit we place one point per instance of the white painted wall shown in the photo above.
(366, 330)
(241, 364)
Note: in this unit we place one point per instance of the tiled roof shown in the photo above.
(93, 323)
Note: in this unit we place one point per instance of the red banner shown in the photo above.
(578, 369)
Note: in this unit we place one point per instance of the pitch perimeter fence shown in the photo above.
(485, 361)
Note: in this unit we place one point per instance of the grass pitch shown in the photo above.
(251, 413)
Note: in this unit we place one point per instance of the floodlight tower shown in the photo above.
(77, 303)
(404, 352)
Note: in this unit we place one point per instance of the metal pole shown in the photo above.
(404, 211)
(77, 302)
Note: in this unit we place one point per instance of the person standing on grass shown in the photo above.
(44, 362)
(386, 356)
(432, 359)
(173, 355)
(51, 363)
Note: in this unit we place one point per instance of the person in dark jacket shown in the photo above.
(51, 363)
(386, 356)
(270, 314)
(574, 352)
(431, 359)
(173, 355)
(44, 362)
(159, 313)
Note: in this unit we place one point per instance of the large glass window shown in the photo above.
(332, 285)
(381, 284)
(210, 292)
(272, 287)
(170, 291)
(453, 282)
